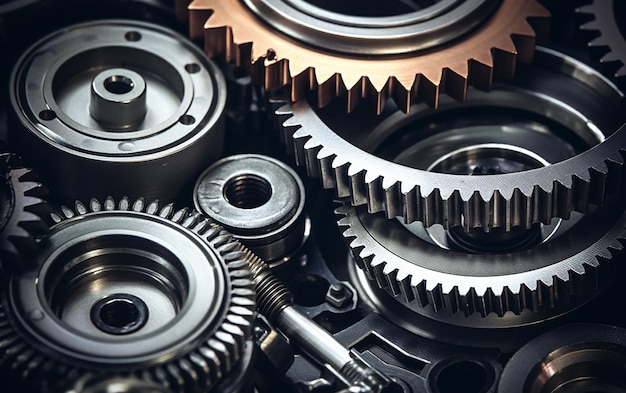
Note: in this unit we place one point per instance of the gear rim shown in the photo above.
(210, 354)
(516, 199)
(279, 62)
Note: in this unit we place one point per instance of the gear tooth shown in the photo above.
(166, 211)
(412, 204)
(455, 80)
(67, 212)
(179, 215)
(375, 193)
(436, 298)
(391, 282)
(109, 204)
(80, 208)
(213, 359)
(342, 179)
(524, 39)
(428, 88)
(420, 293)
(139, 205)
(611, 56)
(95, 205)
(504, 58)
(153, 207)
(599, 42)
(221, 351)
(124, 204)
(392, 199)
(358, 186)
(621, 72)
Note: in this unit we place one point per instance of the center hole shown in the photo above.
(247, 191)
(118, 84)
(118, 313)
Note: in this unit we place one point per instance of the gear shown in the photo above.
(508, 289)
(609, 22)
(21, 208)
(131, 290)
(404, 55)
(534, 134)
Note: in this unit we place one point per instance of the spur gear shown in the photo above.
(609, 23)
(352, 51)
(21, 208)
(572, 262)
(128, 289)
(546, 143)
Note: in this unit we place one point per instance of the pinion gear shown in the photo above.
(611, 39)
(235, 29)
(21, 210)
(187, 269)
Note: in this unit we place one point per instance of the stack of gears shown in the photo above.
(313, 196)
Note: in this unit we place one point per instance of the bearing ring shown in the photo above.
(113, 107)
(260, 200)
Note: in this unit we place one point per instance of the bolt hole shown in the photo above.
(118, 84)
(463, 376)
(310, 291)
(192, 68)
(132, 36)
(247, 191)
(47, 114)
(187, 120)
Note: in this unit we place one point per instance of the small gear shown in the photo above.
(609, 23)
(411, 53)
(22, 208)
(128, 289)
(507, 289)
(373, 160)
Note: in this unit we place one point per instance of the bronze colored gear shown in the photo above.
(149, 256)
(21, 210)
(232, 30)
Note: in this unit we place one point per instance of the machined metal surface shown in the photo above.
(375, 161)
(285, 43)
(259, 199)
(133, 286)
(22, 208)
(118, 107)
(572, 358)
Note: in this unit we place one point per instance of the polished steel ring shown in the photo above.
(260, 200)
(113, 107)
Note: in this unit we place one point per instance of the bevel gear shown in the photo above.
(21, 208)
(506, 289)
(373, 159)
(128, 289)
(403, 56)
(609, 23)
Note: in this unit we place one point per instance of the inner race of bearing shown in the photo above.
(116, 285)
(371, 27)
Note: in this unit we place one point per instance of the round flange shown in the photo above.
(118, 107)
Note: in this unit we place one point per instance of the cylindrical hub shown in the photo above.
(118, 98)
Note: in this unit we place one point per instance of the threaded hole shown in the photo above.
(247, 191)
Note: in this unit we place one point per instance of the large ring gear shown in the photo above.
(414, 52)
(129, 289)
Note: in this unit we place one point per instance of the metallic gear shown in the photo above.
(412, 53)
(507, 289)
(609, 22)
(113, 107)
(572, 358)
(21, 208)
(524, 132)
(258, 199)
(129, 289)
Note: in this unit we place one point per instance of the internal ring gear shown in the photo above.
(281, 44)
(190, 277)
(611, 30)
(348, 154)
(22, 208)
(507, 289)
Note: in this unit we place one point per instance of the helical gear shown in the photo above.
(22, 209)
(184, 360)
(507, 200)
(509, 289)
(234, 29)
(610, 40)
